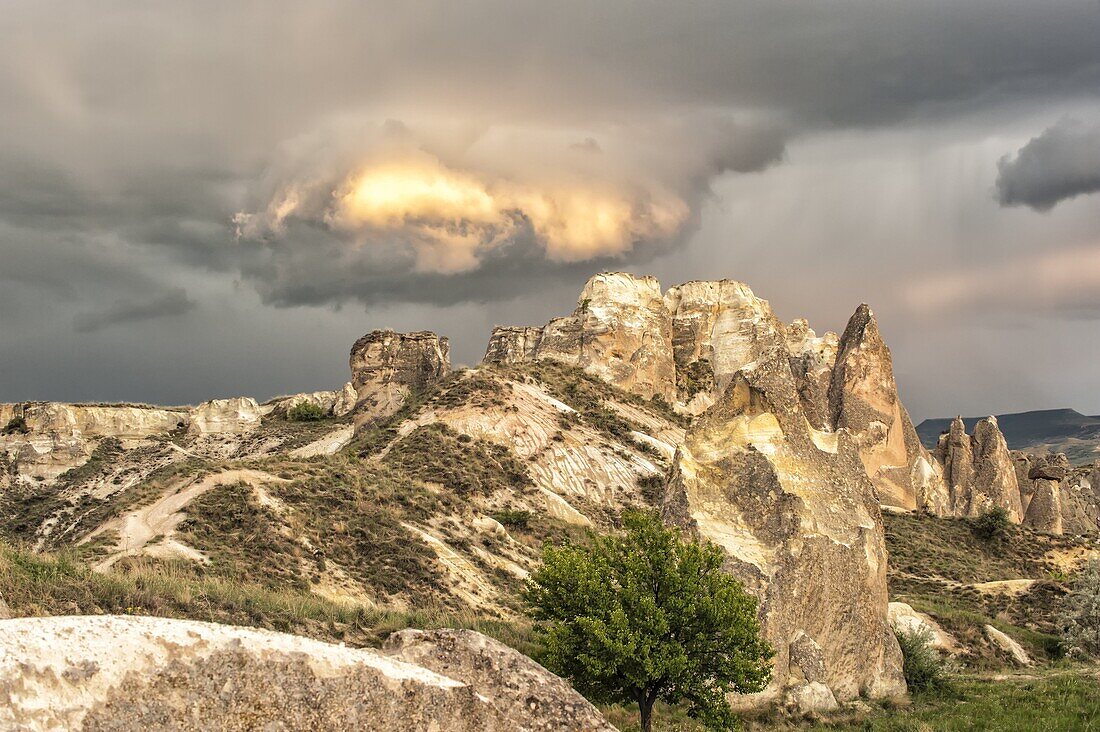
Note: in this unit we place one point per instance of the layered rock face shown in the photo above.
(863, 398)
(513, 344)
(518, 688)
(799, 519)
(141, 673)
(386, 367)
(234, 416)
(619, 332)
(688, 345)
(43, 440)
(979, 470)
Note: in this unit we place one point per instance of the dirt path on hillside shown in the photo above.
(138, 528)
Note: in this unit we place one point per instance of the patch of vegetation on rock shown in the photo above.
(698, 376)
(305, 412)
(16, 425)
(435, 453)
(241, 538)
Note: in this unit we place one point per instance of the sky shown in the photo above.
(205, 199)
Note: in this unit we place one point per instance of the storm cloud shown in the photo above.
(242, 155)
(173, 302)
(1061, 163)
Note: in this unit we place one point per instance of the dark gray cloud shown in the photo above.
(171, 303)
(1061, 163)
(826, 152)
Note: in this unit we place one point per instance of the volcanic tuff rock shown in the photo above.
(620, 331)
(516, 686)
(386, 367)
(979, 470)
(798, 517)
(43, 440)
(863, 398)
(513, 344)
(1059, 498)
(226, 416)
(145, 673)
(689, 348)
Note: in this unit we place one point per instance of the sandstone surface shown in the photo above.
(234, 416)
(386, 367)
(517, 687)
(143, 673)
(907, 620)
(799, 520)
(863, 399)
(980, 471)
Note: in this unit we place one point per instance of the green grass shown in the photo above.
(1063, 701)
(59, 584)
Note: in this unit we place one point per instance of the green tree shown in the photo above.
(645, 615)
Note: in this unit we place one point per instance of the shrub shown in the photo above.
(1081, 615)
(305, 412)
(924, 670)
(652, 488)
(16, 424)
(513, 519)
(992, 525)
(644, 616)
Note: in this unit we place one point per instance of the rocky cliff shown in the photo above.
(799, 519)
(386, 367)
(687, 346)
(620, 332)
(863, 399)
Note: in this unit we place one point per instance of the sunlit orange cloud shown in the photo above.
(1045, 280)
(449, 217)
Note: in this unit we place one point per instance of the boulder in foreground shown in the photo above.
(145, 673)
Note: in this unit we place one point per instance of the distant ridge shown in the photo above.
(1045, 430)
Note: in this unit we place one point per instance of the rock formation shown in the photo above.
(688, 346)
(386, 367)
(513, 344)
(812, 360)
(138, 673)
(620, 331)
(43, 440)
(516, 686)
(226, 416)
(798, 517)
(336, 403)
(1007, 646)
(979, 470)
(863, 398)
(907, 620)
(1059, 498)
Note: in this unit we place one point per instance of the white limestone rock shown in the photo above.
(233, 416)
(1007, 646)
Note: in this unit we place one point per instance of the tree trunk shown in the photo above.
(646, 708)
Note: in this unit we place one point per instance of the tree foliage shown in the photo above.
(645, 615)
(924, 669)
(1081, 615)
(305, 412)
(992, 525)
